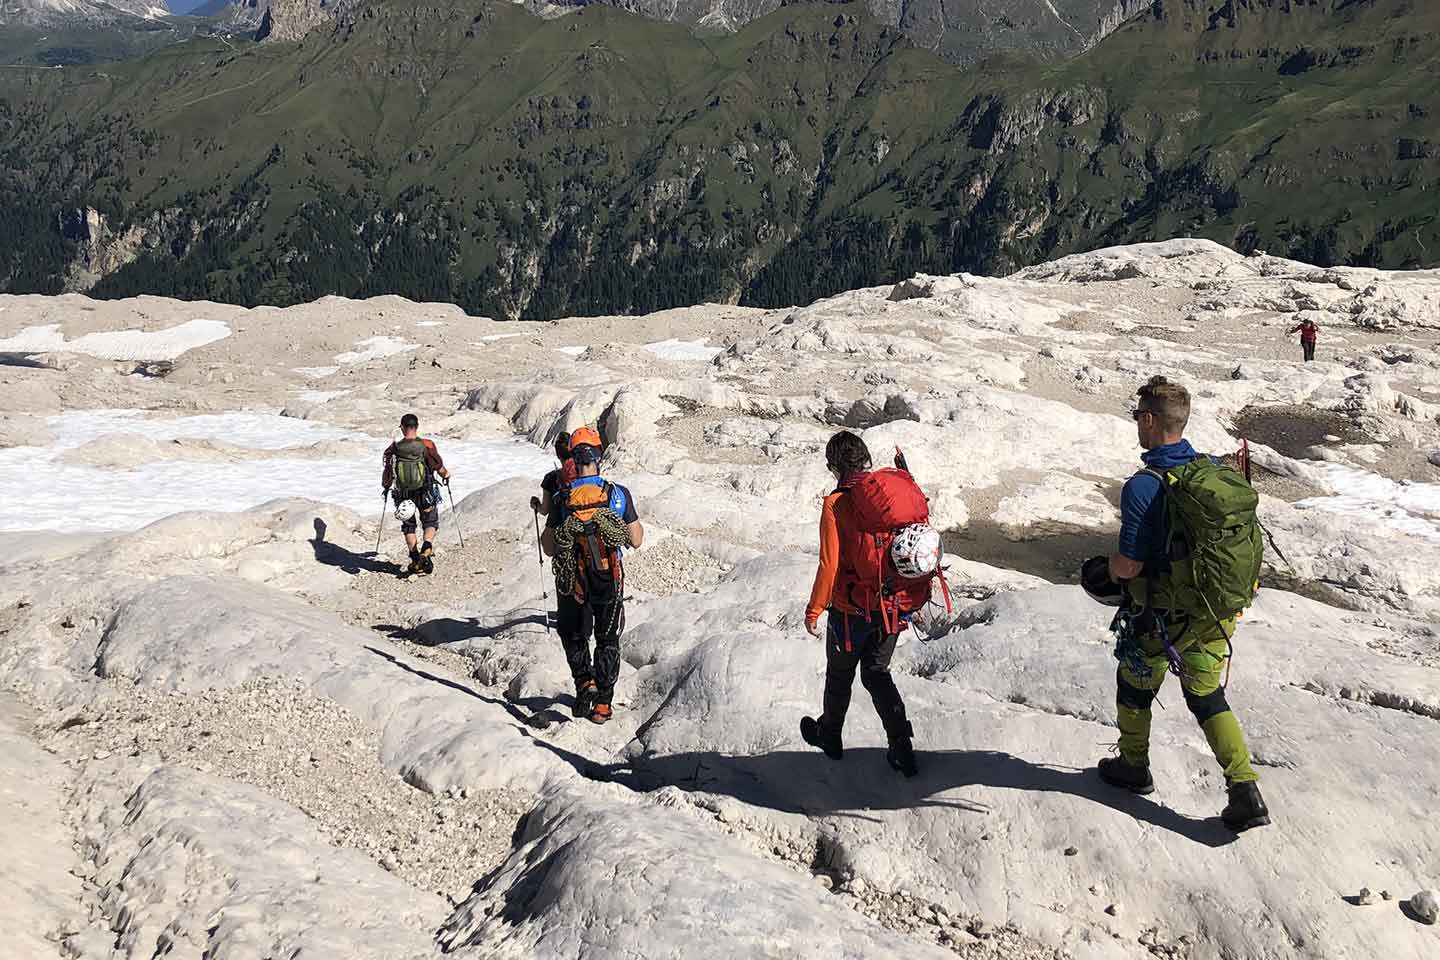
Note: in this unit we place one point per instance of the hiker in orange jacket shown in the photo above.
(856, 636)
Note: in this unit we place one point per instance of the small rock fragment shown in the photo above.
(825, 880)
(1072, 851)
(1365, 898)
(1426, 905)
(1113, 909)
(1386, 895)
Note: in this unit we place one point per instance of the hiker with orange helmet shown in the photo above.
(878, 556)
(589, 523)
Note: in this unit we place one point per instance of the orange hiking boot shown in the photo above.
(601, 713)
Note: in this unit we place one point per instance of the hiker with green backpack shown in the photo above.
(412, 465)
(1187, 566)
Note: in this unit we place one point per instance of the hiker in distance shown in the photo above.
(878, 556)
(412, 465)
(1309, 332)
(1188, 563)
(588, 524)
(561, 476)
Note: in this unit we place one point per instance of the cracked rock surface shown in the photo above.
(237, 735)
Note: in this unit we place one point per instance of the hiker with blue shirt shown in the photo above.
(589, 523)
(1168, 621)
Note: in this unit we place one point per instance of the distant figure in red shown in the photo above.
(1308, 332)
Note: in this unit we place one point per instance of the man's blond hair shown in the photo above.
(1170, 403)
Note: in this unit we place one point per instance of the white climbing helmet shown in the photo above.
(916, 551)
(405, 510)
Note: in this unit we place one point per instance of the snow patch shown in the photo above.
(1408, 507)
(320, 396)
(572, 351)
(79, 497)
(684, 350)
(120, 344)
(316, 372)
(375, 348)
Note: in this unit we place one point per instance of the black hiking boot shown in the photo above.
(817, 736)
(901, 755)
(1246, 808)
(414, 568)
(585, 696)
(1119, 772)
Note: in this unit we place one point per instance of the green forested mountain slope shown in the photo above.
(601, 162)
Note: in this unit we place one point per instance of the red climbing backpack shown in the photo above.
(883, 503)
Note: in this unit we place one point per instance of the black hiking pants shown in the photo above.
(859, 641)
(1309, 351)
(576, 620)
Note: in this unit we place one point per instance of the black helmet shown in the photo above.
(1095, 579)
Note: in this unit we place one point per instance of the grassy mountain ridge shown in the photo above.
(604, 163)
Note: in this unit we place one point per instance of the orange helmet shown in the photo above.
(586, 437)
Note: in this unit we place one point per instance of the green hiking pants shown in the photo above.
(1203, 652)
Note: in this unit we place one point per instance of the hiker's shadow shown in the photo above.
(515, 710)
(444, 630)
(807, 782)
(334, 555)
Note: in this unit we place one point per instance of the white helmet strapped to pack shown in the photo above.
(916, 551)
(405, 510)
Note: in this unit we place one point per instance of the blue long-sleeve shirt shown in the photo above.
(1142, 503)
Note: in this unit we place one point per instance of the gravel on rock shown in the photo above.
(315, 755)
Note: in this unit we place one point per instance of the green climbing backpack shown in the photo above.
(1214, 545)
(411, 472)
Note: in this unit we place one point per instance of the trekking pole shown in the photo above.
(454, 516)
(384, 504)
(540, 558)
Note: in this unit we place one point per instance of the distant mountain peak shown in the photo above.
(60, 12)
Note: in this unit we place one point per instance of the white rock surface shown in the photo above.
(40, 884)
(149, 673)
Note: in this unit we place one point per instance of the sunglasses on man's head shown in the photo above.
(1137, 413)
